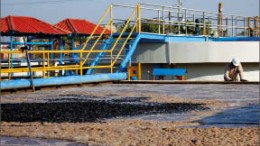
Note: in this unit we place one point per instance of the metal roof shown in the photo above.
(22, 25)
(79, 26)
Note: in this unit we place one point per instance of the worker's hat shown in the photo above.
(235, 61)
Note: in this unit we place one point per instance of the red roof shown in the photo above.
(79, 26)
(27, 25)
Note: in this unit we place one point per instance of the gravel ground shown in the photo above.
(143, 114)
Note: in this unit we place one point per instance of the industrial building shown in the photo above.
(185, 44)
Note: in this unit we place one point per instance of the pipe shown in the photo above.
(123, 64)
(54, 81)
(30, 68)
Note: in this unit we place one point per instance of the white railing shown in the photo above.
(182, 21)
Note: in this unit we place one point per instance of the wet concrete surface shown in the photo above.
(161, 117)
(246, 115)
(23, 141)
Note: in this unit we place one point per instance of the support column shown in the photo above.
(249, 29)
(73, 48)
(256, 26)
(60, 55)
(111, 17)
(220, 20)
(139, 71)
(10, 58)
(51, 58)
(139, 18)
(60, 48)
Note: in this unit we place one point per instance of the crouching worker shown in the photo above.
(232, 70)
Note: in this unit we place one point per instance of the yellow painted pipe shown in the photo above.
(139, 71)
(128, 73)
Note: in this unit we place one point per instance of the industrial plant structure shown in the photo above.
(154, 42)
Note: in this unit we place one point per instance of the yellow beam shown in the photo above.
(98, 24)
(111, 18)
(48, 64)
(139, 71)
(94, 45)
(111, 61)
(122, 47)
(43, 65)
(128, 37)
(96, 67)
(51, 51)
(128, 72)
(9, 66)
(139, 18)
(123, 30)
(80, 64)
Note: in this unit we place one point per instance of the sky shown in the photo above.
(53, 11)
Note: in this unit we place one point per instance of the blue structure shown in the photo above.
(57, 81)
(80, 68)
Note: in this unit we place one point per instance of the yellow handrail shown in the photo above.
(98, 24)
(43, 64)
(123, 30)
(25, 69)
(101, 66)
(9, 65)
(94, 45)
(116, 42)
(122, 47)
(139, 17)
(48, 64)
(52, 51)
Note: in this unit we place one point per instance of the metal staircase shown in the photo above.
(117, 55)
(109, 52)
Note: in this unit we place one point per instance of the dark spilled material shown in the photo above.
(89, 110)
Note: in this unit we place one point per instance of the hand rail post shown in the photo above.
(138, 10)
(80, 63)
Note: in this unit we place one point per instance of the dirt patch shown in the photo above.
(134, 132)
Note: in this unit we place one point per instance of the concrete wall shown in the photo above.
(151, 53)
(203, 60)
(214, 52)
(215, 72)
(196, 52)
(204, 72)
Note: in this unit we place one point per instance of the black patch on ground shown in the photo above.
(130, 99)
(88, 110)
